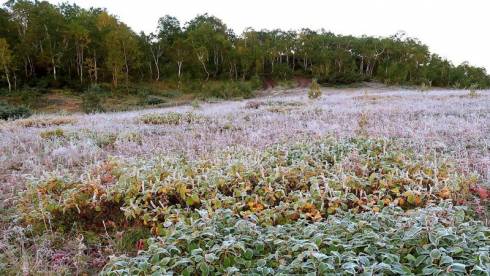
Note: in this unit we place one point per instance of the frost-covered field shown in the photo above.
(447, 122)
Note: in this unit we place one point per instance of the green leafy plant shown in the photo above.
(13, 112)
(391, 242)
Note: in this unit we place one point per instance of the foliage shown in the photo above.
(13, 112)
(153, 100)
(78, 47)
(428, 241)
(228, 89)
(92, 102)
(67, 204)
(473, 92)
(50, 134)
(306, 180)
(170, 118)
(195, 104)
(46, 122)
(314, 92)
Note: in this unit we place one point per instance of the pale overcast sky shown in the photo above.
(455, 29)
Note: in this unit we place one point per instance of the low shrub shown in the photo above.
(153, 100)
(171, 118)
(132, 137)
(473, 91)
(50, 134)
(314, 92)
(46, 122)
(227, 89)
(104, 140)
(195, 104)
(13, 112)
(92, 101)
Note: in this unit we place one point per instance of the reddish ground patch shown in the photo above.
(303, 82)
(269, 84)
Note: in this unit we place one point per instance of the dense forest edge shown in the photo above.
(92, 54)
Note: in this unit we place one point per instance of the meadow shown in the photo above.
(358, 181)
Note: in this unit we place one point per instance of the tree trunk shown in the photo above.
(54, 68)
(8, 78)
(95, 68)
(126, 66)
(201, 59)
(179, 65)
(156, 59)
(15, 81)
(114, 76)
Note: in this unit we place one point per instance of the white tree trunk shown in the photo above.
(8, 78)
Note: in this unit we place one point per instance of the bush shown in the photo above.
(46, 122)
(224, 89)
(195, 104)
(171, 118)
(153, 100)
(92, 102)
(13, 112)
(255, 82)
(473, 89)
(50, 134)
(314, 91)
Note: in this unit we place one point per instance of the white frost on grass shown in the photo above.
(445, 120)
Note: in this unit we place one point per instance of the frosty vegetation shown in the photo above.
(77, 189)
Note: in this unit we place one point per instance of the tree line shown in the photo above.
(65, 45)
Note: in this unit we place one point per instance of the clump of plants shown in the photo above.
(362, 124)
(92, 101)
(153, 100)
(390, 242)
(8, 111)
(50, 134)
(314, 92)
(284, 103)
(132, 137)
(195, 104)
(425, 86)
(171, 118)
(473, 91)
(227, 89)
(310, 180)
(46, 122)
(103, 140)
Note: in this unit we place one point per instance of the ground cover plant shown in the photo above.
(358, 181)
